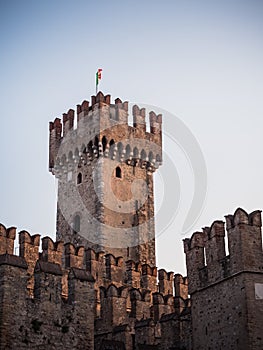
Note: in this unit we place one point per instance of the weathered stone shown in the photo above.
(86, 294)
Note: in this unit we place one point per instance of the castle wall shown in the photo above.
(34, 313)
(230, 320)
(69, 297)
(219, 317)
(13, 305)
(226, 309)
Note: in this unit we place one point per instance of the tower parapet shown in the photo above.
(156, 123)
(55, 135)
(223, 287)
(245, 241)
(98, 124)
(195, 259)
(139, 118)
(214, 240)
(206, 257)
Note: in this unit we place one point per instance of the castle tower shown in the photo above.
(105, 172)
(227, 290)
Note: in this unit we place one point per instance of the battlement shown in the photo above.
(7, 236)
(139, 118)
(106, 269)
(102, 131)
(242, 217)
(166, 281)
(155, 122)
(70, 279)
(205, 251)
(135, 303)
(74, 256)
(52, 251)
(181, 286)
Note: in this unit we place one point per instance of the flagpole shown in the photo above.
(96, 82)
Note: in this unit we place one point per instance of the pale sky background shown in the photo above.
(199, 60)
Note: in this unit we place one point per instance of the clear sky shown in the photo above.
(201, 61)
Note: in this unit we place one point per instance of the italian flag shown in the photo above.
(98, 76)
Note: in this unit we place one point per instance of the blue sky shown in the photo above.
(199, 60)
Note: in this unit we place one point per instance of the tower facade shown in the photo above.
(105, 170)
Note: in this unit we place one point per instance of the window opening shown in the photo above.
(76, 224)
(118, 172)
(79, 178)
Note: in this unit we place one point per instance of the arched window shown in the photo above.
(96, 142)
(118, 172)
(79, 178)
(150, 156)
(112, 146)
(128, 151)
(104, 143)
(158, 159)
(120, 149)
(143, 155)
(76, 224)
(90, 149)
(135, 152)
(70, 156)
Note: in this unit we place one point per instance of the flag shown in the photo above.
(98, 76)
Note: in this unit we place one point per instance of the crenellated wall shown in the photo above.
(69, 291)
(244, 241)
(97, 125)
(227, 305)
(205, 251)
(34, 312)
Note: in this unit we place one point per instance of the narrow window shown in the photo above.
(118, 172)
(128, 151)
(112, 146)
(76, 224)
(143, 155)
(104, 143)
(120, 149)
(135, 153)
(79, 178)
(150, 157)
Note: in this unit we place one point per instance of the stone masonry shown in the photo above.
(49, 300)
(227, 290)
(97, 287)
(105, 172)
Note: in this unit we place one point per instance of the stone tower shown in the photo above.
(105, 172)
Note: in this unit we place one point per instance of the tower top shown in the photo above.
(69, 138)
